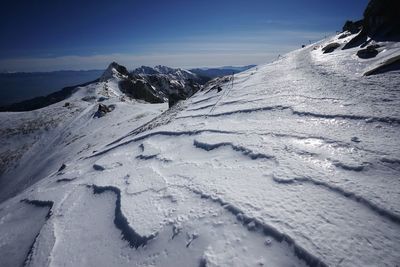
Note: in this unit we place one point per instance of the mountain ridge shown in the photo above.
(176, 74)
(266, 160)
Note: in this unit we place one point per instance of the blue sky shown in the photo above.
(54, 35)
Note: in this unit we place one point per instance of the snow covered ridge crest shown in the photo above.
(114, 70)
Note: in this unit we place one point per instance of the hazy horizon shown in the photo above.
(130, 69)
(50, 36)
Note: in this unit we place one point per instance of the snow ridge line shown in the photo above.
(144, 157)
(389, 120)
(41, 204)
(245, 151)
(267, 230)
(241, 101)
(391, 160)
(202, 100)
(250, 110)
(351, 195)
(128, 233)
(65, 180)
(164, 133)
(200, 108)
(154, 156)
(347, 167)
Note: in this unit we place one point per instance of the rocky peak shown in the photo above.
(164, 69)
(381, 17)
(114, 70)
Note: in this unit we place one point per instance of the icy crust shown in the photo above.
(300, 169)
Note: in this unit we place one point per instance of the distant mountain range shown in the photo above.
(31, 90)
(218, 72)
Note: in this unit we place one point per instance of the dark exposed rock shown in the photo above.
(381, 22)
(139, 89)
(353, 27)
(330, 48)
(216, 83)
(382, 18)
(344, 35)
(174, 98)
(103, 110)
(63, 166)
(358, 40)
(89, 98)
(168, 81)
(121, 70)
(369, 52)
(102, 98)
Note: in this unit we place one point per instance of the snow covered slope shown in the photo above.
(292, 163)
(36, 143)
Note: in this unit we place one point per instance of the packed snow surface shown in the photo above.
(292, 163)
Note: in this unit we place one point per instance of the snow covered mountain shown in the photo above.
(179, 82)
(291, 163)
(178, 74)
(145, 83)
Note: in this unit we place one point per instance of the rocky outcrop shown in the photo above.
(102, 110)
(114, 70)
(172, 84)
(330, 48)
(369, 52)
(174, 98)
(138, 89)
(381, 22)
(382, 19)
(353, 26)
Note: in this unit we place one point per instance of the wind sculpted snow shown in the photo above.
(293, 163)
